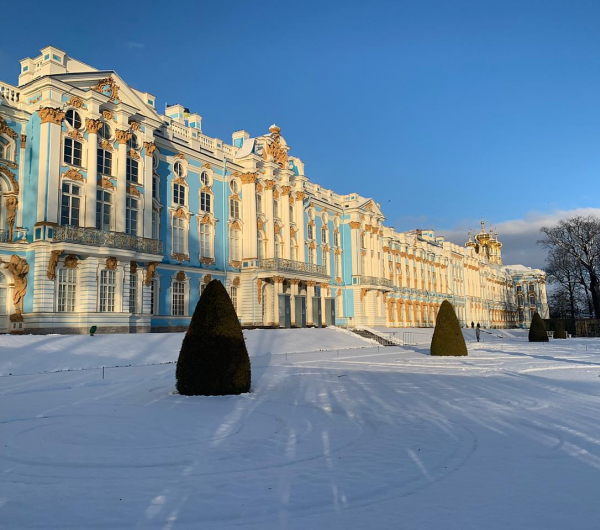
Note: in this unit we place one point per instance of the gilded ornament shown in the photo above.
(75, 102)
(134, 125)
(206, 165)
(181, 156)
(93, 126)
(180, 180)
(207, 278)
(107, 114)
(275, 149)
(236, 281)
(105, 183)
(35, 100)
(259, 188)
(105, 144)
(12, 203)
(51, 115)
(71, 261)
(300, 195)
(133, 267)
(73, 174)
(19, 268)
(150, 148)
(270, 184)
(113, 88)
(75, 134)
(277, 229)
(150, 272)
(180, 276)
(180, 256)
(180, 213)
(354, 225)
(235, 264)
(123, 136)
(206, 220)
(111, 264)
(248, 178)
(292, 232)
(260, 224)
(134, 154)
(338, 280)
(54, 257)
(236, 225)
(23, 141)
(207, 261)
(285, 190)
(278, 279)
(276, 194)
(13, 181)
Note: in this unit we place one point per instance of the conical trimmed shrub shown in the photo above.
(447, 337)
(213, 360)
(560, 332)
(537, 331)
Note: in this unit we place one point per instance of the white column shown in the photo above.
(149, 149)
(300, 233)
(249, 250)
(93, 126)
(285, 219)
(122, 138)
(270, 225)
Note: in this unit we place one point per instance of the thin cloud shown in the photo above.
(519, 236)
(135, 45)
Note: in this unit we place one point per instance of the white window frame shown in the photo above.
(76, 148)
(132, 221)
(71, 197)
(235, 244)
(179, 235)
(205, 237)
(179, 298)
(206, 200)
(66, 290)
(107, 290)
(101, 194)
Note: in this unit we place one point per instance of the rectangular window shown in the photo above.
(311, 255)
(205, 199)
(178, 308)
(324, 236)
(70, 204)
(234, 297)
(336, 239)
(154, 297)
(72, 154)
(338, 269)
(310, 232)
(131, 216)
(205, 243)
(275, 208)
(179, 194)
(103, 209)
(259, 206)
(133, 293)
(104, 162)
(108, 285)
(155, 224)
(67, 282)
(132, 170)
(235, 245)
(234, 209)
(179, 246)
(325, 260)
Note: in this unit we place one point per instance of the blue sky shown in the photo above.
(442, 111)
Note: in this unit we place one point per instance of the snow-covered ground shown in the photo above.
(346, 438)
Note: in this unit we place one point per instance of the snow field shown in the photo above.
(341, 438)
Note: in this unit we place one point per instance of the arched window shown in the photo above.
(179, 169)
(70, 204)
(235, 245)
(310, 232)
(104, 133)
(261, 244)
(234, 187)
(278, 246)
(73, 119)
(205, 179)
(4, 149)
(293, 249)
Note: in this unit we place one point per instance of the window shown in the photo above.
(234, 297)
(261, 245)
(204, 178)
(133, 168)
(179, 194)
(178, 308)
(205, 241)
(205, 200)
(293, 249)
(336, 239)
(179, 170)
(155, 224)
(155, 186)
(259, 204)
(154, 297)
(70, 205)
(324, 236)
(133, 293)
(291, 213)
(73, 119)
(4, 149)
(234, 187)
(132, 143)
(104, 132)
(235, 245)
(107, 291)
(103, 209)
(72, 152)
(325, 260)
(275, 208)
(337, 264)
(310, 234)
(67, 282)
(363, 243)
(179, 246)
(234, 209)
(311, 255)
(278, 246)
(104, 162)
(131, 216)
(363, 266)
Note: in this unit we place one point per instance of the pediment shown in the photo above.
(372, 207)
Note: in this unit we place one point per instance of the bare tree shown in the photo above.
(579, 237)
(561, 271)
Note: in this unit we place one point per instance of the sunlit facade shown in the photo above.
(116, 215)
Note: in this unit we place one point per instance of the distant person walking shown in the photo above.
(478, 332)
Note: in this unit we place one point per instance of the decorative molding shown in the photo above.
(277, 229)
(52, 263)
(278, 279)
(207, 278)
(259, 187)
(276, 194)
(235, 264)
(75, 134)
(150, 148)
(23, 141)
(133, 267)
(236, 225)
(150, 272)
(71, 261)
(76, 102)
(180, 180)
(107, 114)
(113, 88)
(363, 293)
(354, 225)
(134, 154)
(105, 144)
(51, 115)
(122, 136)
(207, 261)
(180, 213)
(180, 257)
(236, 281)
(248, 178)
(134, 125)
(275, 150)
(111, 263)
(181, 156)
(13, 181)
(73, 174)
(292, 232)
(270, 184)
(105, 183)
(300, 195)
(19, 268)
(206, 220)
(180, 276)
(260, 224)
(286, 190)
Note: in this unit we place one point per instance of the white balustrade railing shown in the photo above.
(9, 93)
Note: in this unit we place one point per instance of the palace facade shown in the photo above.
(115, 215)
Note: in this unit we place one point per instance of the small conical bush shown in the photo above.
(560, 332)
(213, 360)
(447, 337)
(537, 331)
